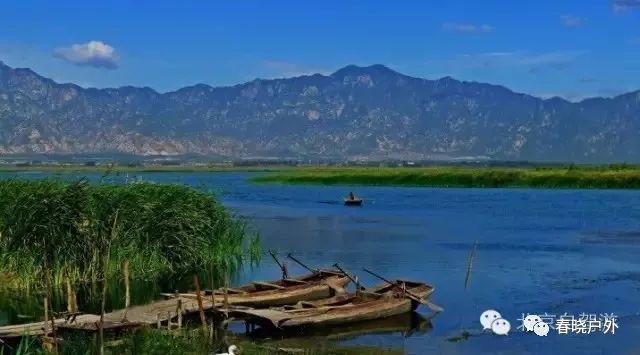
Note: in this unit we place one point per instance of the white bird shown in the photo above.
(232, 351)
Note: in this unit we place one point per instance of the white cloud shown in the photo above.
(467, 27)
(555, 60)
(624, 5)
(530, 61)
(93, 53)
(572, 20)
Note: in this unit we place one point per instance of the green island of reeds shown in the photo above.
(53, 231)
(570, 177)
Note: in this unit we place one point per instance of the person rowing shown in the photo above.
(351, 196)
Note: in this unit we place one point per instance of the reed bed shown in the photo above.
(193, 341)
(579, 177)
(84, 232)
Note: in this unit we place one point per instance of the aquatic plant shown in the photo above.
(583, 177)
(68, 227)
(28, 346)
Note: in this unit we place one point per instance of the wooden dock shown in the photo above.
(153, 314)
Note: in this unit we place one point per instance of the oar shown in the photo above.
(303, 265)
(358, 285)
(282, 267)
(434, 307)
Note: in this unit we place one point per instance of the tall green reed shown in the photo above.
(161, 230)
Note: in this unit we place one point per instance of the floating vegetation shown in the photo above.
(618, 176)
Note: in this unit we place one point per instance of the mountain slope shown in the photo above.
(354, 112)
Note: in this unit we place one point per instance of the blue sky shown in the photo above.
(570, 48)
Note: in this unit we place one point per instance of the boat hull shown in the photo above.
(259, 295)
(348, 202)
(382, 302)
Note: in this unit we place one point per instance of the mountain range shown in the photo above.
(355, 113)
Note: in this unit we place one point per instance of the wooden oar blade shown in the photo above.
(434, 307)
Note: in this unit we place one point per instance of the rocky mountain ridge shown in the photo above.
(356, 112)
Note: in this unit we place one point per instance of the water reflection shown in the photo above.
(408, 324)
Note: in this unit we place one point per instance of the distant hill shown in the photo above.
(356, 112)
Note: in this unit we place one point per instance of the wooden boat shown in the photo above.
(314, 286)
(381, 302)
(353, 202)
(407, 323)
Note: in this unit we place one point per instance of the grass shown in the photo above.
(579, 177)
(69, 228)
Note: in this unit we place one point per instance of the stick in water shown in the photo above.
(470, 265)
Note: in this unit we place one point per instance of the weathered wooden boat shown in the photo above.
(380, 302)
(407, 323)
(353, 202)
(322, 283)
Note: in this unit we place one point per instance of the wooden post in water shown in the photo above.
(196, 283)
(179, 312)
(226, 293)
(49, 296)
(213, 287)
(127, 288)
(470, 265)
(69, 301)
(46, 316)
(102, 306)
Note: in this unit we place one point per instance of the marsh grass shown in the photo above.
(65, 229)
(618, 176)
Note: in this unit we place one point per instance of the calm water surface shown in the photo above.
(554, 251)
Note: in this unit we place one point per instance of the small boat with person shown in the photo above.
(352, 200)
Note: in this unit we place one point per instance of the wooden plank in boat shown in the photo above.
(230, 291)
(269, 285)
(296, 281)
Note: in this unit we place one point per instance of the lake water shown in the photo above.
(538, 251)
